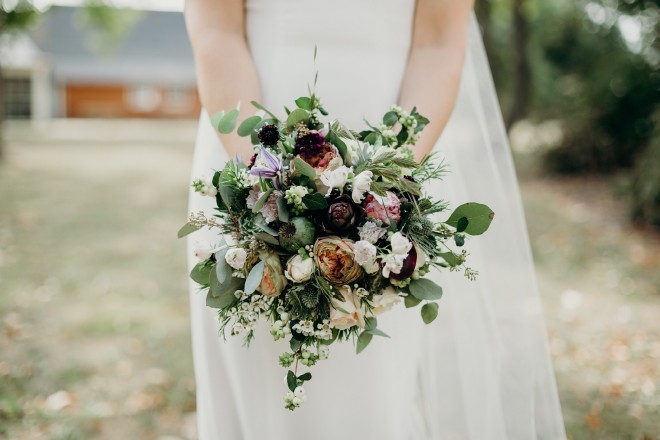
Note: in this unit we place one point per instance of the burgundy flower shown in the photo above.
(309, 145)
(342, 214)
(269, 135)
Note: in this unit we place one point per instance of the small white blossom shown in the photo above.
(400, 244)
(365, 252)
(305, 327)
(371, 232)
(236, 257)
(361, 185)
(324, 352)
(335, 178)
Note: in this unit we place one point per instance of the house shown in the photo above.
(55, 70)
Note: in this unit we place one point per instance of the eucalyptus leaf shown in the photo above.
(451, 258)
(291, 380)
(267, 238)
(222, 269)
(315, 201)
(429, 312)
(262, 200)
(370, 323)
(201, 273)
(390, 119)
(459, 240)
(282, 210)
(305, 376)
(479, 217)
(254, 277)
(261, 107)
(363, 340)
(187, 229)
(246, 127)
(462, 224)
(377, 332)
(304, 102)
(410, 301)
(215, 119)
(295, 344)
(296, 116)
(225, 299)
(228, 121)
(302, 168)
(425, 289)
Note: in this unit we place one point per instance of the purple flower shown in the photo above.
(269, 167)
(309, 145)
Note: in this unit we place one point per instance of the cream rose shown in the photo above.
(236, 257)
(384, 301)
(272, 280)
(347, 313)
(299, 270)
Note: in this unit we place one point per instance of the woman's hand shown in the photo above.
(225, 71)
(435, 64)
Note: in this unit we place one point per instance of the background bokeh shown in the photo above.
(99, 105)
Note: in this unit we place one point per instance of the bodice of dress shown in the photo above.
(362, 49)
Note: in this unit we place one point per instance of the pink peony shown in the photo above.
(383, 208)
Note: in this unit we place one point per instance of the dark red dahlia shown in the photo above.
(309, 145)
(252, 160)
(269, 135)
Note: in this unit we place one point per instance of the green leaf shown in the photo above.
(222, 269)
(267, 238)
(291, 380)
(335, 140)
(390, 119)
(298, 115)
(246, 127)
(186, 229)
(225, 296)
(304, 102)
(377, 332)
(315, 201)
(254, 277)
(363, 340)
(302, 168)
(429, 312)
(402, 137)
(451, 258)
(261, 107)
(459, 240)
(411, 301)
(262, 200)
(228, 121)
(479, 217)
(424, 288)
(461, 224)
(370, 324)
(305, 376)
(372, 138)
(295, 344)
(215, 119)
(201, 273)
(282, 210)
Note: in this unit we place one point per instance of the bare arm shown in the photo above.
(435, 64)
(225, 71)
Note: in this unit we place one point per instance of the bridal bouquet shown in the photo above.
(323, 230)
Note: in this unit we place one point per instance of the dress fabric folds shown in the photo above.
(481, 370)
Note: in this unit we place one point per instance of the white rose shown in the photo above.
(383, 302)
(371, 268)
(299, 270)
(203, 251)
(351, 313)
(400, 244)
(365, 252)
(236, 257)
(361, 185)
(336, 178)
(393, 263)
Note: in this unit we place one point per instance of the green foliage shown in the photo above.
(16, 17)
(644, 188)
(186, 229)
(254, 277)
(425, 289)
(107, 25)
(429, 312)
(473, 218)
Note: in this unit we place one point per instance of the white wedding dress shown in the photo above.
(481, 371)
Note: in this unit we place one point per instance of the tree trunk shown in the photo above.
(521, 65)
(484, 11)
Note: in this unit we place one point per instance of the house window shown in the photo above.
(17, 97)
(143, 98)
(178, 100)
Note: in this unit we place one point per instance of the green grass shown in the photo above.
(93, 287)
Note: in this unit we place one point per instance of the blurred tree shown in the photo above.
(20, 15)
(520, 59)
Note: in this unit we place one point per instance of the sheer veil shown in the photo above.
(486, 370)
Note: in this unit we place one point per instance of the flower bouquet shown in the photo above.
(323, 230)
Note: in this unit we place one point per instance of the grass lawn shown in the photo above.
(94, 326)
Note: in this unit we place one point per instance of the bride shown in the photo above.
(482, 369)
